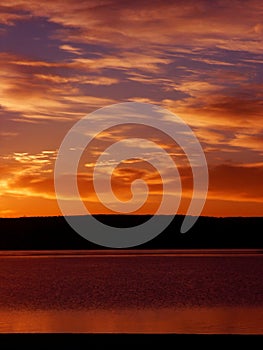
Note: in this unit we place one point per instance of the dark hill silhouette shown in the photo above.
(35, 233)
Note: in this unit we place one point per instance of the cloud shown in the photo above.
(214, 62)
(253, 141)
(125, 61)
(29, 91)
(80, 79)
(222, 107)
(25, 175)
(9, 15)
(8, 134)
(200, 23)
(71, 49)
(230, 26)
(200, 59)
(22, 174)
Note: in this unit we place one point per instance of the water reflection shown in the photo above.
(219, 320)
(141, 292)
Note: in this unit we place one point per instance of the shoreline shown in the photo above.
(131, 253)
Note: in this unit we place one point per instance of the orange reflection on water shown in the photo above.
(217, 320)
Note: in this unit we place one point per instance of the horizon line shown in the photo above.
(130, 214)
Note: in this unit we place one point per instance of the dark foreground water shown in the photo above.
(132, 291)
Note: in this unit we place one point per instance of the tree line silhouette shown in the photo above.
(33, 233)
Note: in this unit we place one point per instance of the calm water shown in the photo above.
(132, 291)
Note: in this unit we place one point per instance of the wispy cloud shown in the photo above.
(71, 49)
(200, 59)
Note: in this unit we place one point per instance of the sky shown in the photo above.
(201, 60)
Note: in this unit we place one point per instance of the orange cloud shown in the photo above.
(125, 61)
(30, 176)
(230, 26)
(200, 59)
(22, 172)
(212, 108)
(58, 79)
(9, 16)
(71, 49)
(254, 142)
(29, 91)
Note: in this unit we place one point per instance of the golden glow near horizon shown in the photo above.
(202, 60)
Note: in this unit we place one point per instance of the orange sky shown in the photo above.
(202, 60)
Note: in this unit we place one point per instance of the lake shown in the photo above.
(132, 291)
